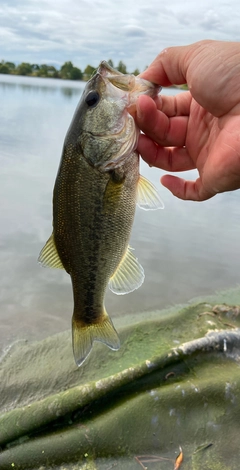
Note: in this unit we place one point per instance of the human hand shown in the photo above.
(199, 128)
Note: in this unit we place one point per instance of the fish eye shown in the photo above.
(92, 99)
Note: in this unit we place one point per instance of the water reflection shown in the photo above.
(8, 85)
(41, 85)
(69, 92)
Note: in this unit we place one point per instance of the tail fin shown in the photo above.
(84, 335)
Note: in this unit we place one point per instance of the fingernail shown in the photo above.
(139, 111)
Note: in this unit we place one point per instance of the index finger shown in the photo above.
(166, 126)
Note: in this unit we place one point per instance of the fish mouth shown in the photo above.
(127, 88)
(133, 85)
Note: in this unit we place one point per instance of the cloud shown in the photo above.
(133, 31)
(211, 20)
(87, 32)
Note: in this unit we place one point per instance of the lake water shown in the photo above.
(187, 250)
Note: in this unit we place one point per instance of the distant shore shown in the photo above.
(67, 71)
(65, 81)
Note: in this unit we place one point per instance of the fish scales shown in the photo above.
(105, 221)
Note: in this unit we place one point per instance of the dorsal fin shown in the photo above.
(128, 276)
(49, 256)
(147, 195)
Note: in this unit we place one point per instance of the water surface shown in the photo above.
(187, 250)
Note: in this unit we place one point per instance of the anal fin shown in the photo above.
(128, 276)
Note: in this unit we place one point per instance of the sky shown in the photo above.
(88, 31)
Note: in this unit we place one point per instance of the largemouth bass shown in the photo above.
(94, 199)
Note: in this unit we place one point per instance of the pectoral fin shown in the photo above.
(147, 195)
(49, 256)
(128, 276)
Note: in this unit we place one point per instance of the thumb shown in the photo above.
(170, 66)
(185, 64)
(210, 68)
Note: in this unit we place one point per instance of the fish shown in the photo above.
(95, 194)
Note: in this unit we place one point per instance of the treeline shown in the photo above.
(66, 71)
